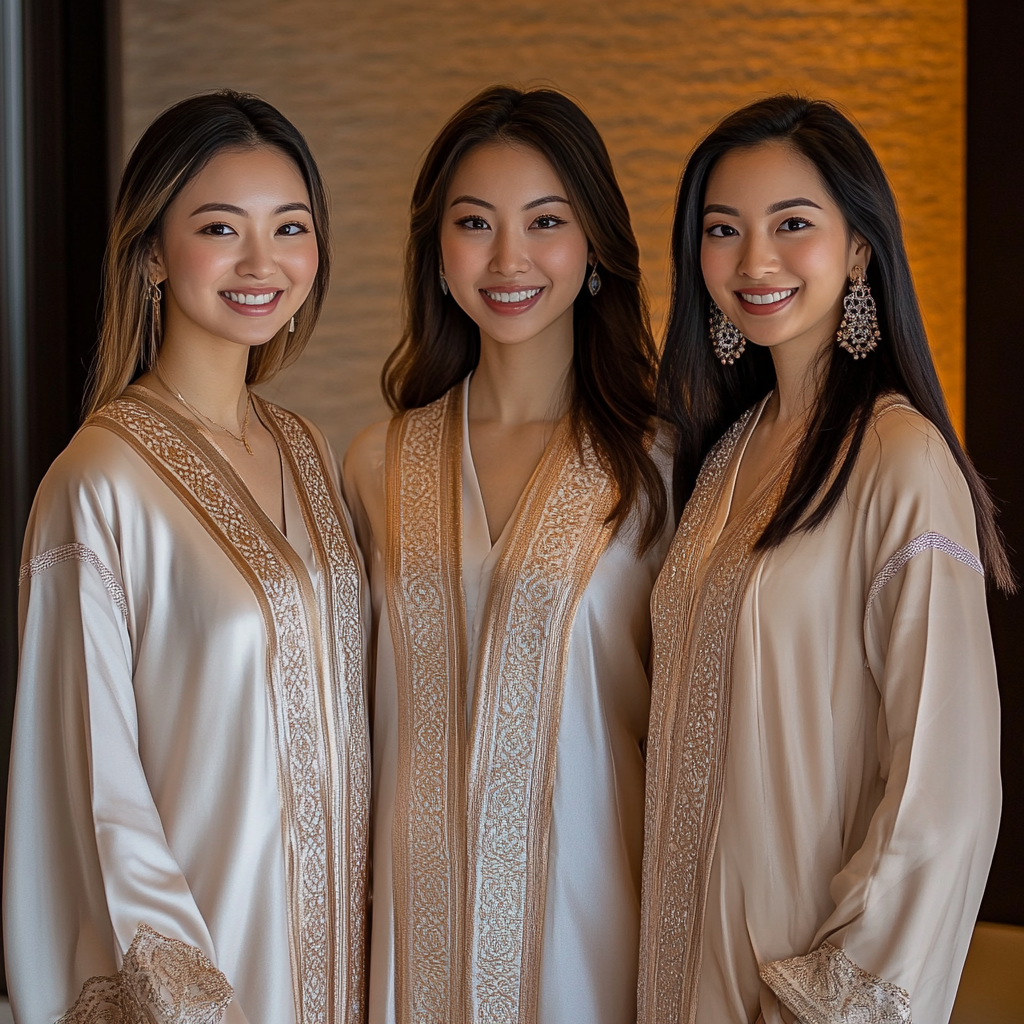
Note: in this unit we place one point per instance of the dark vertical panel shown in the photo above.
(995, 376)
(64, 203)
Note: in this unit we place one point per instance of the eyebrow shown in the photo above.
(474, 201)
(784, 204)
(239, 212)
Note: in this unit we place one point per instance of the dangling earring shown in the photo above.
(444, 283)
(726, 339)
(858, 332)
(291, 326)
(594, 282)
(154, 295)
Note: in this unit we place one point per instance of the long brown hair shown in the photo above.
(171, 152)
(702, 397)
(614, 370)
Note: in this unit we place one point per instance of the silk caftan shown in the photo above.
(823, 775)
(507, 830)
(189, 790)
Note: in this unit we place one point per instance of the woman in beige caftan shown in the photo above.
(823, 776)
(189, 794)
(513, 516)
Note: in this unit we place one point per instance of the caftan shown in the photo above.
(188, 816)
(568, 954)
(823, 779)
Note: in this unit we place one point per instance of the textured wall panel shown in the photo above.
(371, 82)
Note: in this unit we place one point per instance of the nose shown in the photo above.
(257, 258)
(509, 256)
(758, 256)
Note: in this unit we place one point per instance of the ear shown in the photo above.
(155, 267)
(860, 253)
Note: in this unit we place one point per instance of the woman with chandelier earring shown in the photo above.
(513, 515)
(189, 795)
(823, 787)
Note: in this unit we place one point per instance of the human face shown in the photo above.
(237, 250)
(776, 250)
(513, 252)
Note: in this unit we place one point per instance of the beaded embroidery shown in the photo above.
(54, 556)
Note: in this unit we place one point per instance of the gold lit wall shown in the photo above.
(370, 82)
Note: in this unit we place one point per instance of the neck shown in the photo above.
(798, 365)
(208, 374)
(523, 382)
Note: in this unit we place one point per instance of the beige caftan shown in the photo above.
(823, 778)
(188, 815)
(507, 830)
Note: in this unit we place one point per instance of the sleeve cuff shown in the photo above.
(827, 987)
(163, 980)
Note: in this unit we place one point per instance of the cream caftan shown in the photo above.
(189, 794)
(511, 708)
(823, 776)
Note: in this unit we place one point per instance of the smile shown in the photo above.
(521, 296)
(767, 299)
(254, 303)
(764, 303)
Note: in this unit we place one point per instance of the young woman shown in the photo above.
(823, 777)
(189, 798)
(514, 516)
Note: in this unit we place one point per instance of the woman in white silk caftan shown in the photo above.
(189, 793)
(511, 587)
(823, 778)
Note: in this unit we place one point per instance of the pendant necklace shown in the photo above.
(241, 438)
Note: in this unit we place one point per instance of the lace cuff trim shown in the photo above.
(161, 981)
(827, 987)
(924, 542)
(47, 559)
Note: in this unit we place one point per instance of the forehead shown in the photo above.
(758, 176)
(236, 174)
(501, 169)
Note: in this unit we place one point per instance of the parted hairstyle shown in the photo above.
(701, 397)
(614, 369)
(171, 152)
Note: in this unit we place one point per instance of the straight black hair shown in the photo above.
(614, 370)
(701, 397)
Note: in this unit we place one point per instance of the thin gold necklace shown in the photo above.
(242, 438)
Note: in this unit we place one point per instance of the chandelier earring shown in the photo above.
(726, 339)
(858, 332)
(594, 281)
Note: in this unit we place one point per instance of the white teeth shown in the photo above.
(767, 300)
(251, 300)
(522, 296)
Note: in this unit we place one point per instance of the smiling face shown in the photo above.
(776, 250)
(237, 253)
(513, 252)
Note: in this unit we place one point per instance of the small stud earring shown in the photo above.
(291, 326)
(594, 282)
(444, 283)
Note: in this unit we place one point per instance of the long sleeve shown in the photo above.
(907, 898)
(91, 886)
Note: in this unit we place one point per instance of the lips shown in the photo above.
(765, 301)
(511, 301)
(252, 302)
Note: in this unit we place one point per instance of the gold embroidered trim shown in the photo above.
(695, 605)
(161, 981)
(827, 987)
(296, 670)
(66, 552)
(340, 604)
(484, 909)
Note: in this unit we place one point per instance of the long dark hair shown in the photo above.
(171, 152)
(702, 397)
(614, 370)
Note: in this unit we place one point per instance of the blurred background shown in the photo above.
(934, 84)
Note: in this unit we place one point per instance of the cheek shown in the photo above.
(193, 266)
(716, 264)
(820, 263)
(300, 262)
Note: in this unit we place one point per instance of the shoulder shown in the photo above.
(365, 455)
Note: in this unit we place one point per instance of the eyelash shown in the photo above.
(211, 229)
(717, 230)
(473, 223)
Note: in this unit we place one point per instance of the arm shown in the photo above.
(93, 895)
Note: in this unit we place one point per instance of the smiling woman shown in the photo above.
(514, 517)
(189, 796)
